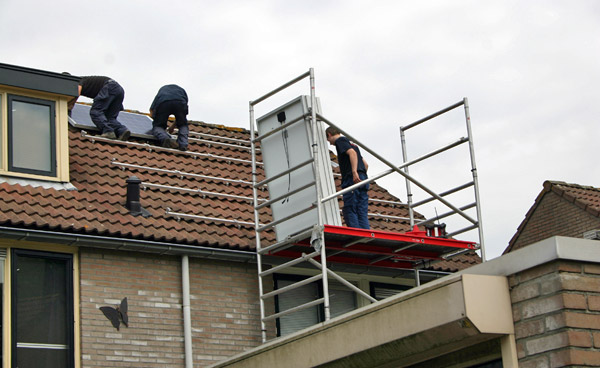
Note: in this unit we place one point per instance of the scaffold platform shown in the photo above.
(378, 248)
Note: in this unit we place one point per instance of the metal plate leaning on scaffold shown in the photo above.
(287, 149)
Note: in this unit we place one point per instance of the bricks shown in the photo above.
(224, 309)
(594, 302)
(556, 309)
(554, 215)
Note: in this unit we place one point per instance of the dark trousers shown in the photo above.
(106, 107)
(356, 205)
(161, 115)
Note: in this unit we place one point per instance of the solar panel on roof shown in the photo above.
(140, 125)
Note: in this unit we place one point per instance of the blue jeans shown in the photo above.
(106, 107)
(356, 205)
(161, 116)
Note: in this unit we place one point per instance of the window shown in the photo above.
(42, 309)
(31, 136)
(381, 291)
(341, 300)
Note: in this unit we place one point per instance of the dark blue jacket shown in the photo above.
(170, 92)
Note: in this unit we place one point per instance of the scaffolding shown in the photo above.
(325, 242)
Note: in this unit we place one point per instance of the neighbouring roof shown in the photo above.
(189, 182)
(587, 198)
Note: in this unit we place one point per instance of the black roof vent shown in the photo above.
(133, 197)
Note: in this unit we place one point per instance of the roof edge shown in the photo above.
(104, 242)
(539, 253)
(547, 188)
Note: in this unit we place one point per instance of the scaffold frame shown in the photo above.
(412, 250)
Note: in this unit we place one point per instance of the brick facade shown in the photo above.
(224, 309)
(554, 216)
(556, 310)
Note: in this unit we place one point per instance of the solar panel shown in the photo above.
(140, 125)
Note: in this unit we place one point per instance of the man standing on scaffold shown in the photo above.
(354, 170)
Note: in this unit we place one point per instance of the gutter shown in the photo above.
(107, 242)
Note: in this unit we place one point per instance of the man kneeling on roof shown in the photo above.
(170, 99)
(108, 98)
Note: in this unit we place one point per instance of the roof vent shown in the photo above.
(133, 197)
(592, 235)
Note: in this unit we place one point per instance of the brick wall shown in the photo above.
(556, 309)
(554, 216)
(224, 308)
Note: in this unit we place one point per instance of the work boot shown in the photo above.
(125, 135)
(183, 148)
(109, 135)
(170, 143)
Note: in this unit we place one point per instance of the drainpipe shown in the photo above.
(187, 319)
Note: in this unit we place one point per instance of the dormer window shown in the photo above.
(31, 135)
(34, 123)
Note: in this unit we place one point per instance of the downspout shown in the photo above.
(187, 319)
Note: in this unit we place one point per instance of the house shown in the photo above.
(537, 306)
(77, 235)
(561, 209)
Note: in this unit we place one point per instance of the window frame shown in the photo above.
(69, 260)
(319, 309)
(51, 104)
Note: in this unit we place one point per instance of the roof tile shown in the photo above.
(99, 169)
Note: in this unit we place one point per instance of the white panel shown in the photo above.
(286, 149)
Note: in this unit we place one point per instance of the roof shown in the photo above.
(212, 180)
(586, 198)
(39, 80)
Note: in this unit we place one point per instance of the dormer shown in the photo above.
(34, 123)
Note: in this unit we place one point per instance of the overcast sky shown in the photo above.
(530, 70)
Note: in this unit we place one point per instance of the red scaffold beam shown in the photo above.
(379, 248)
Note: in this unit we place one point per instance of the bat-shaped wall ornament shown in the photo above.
(118, 314)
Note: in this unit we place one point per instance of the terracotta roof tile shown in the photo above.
(98, 171)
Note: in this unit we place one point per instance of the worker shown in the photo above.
(170, 99)
(353, 168)
(108, 98)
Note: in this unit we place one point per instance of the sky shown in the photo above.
(529, 69)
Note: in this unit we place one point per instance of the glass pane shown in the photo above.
(51, 358)
(1, 130)
(2, 261)
(341, 299)
(31, 136)
(303, 318)
(41, 301)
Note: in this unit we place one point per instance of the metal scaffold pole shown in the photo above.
(475, 179)
(263, 327)
(408, 190)
(316, 164)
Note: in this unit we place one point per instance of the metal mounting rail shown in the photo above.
(241, 141)
(206, 218)
(196, 191)
(178, 172)
(209, 142)
(150, 147)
